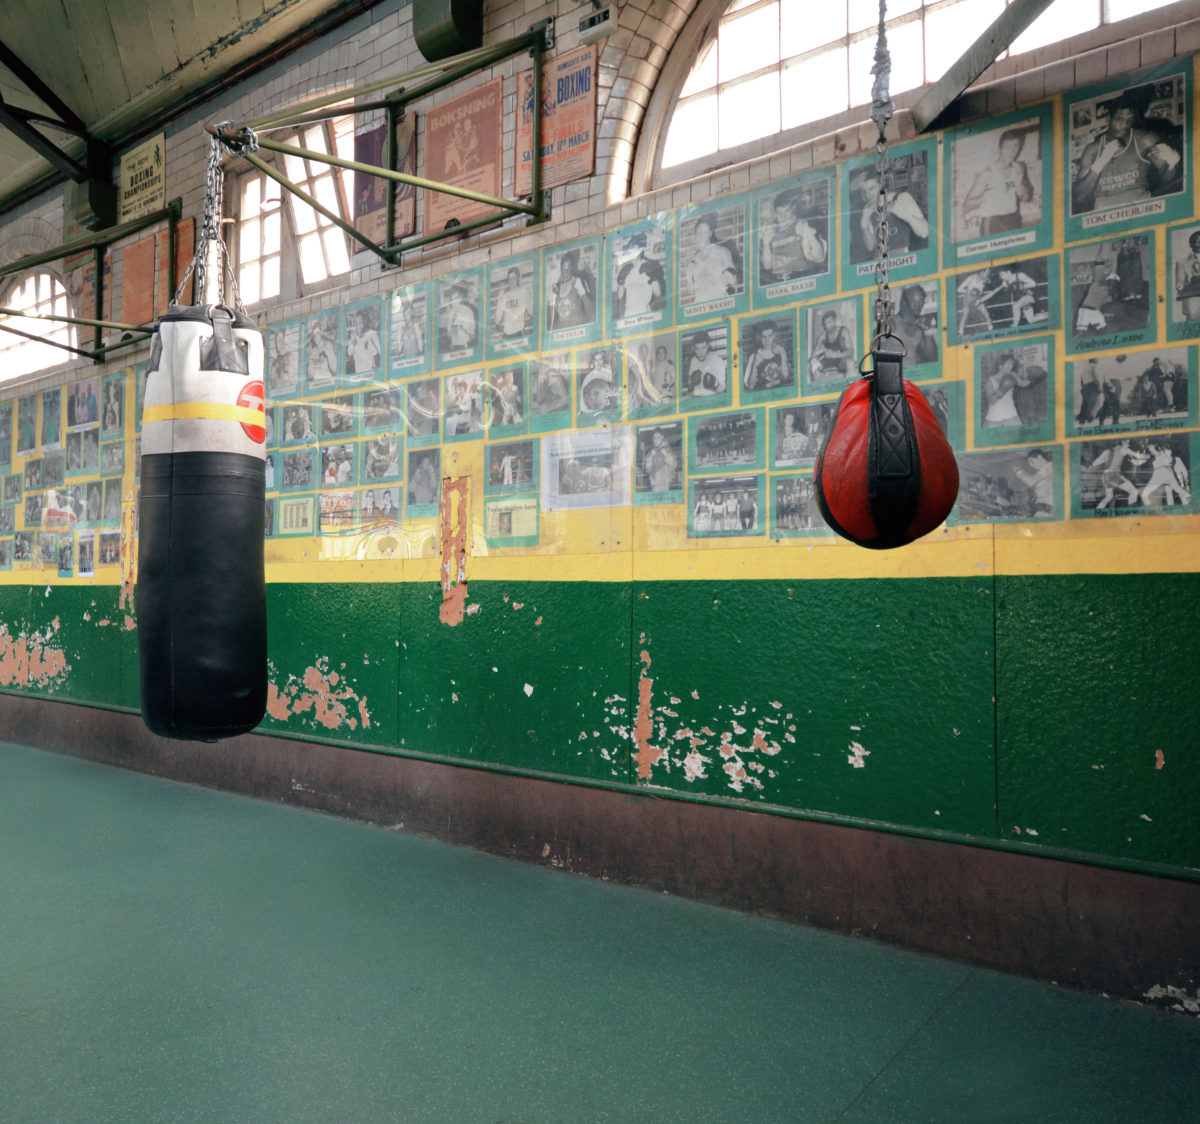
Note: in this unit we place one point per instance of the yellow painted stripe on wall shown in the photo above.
(202, 411)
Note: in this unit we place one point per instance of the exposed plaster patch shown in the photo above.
(321, 693)
(1182, 1000)
(29, 659)
(455, 520)
(647, 755)
(1159, 759)
(858, 755)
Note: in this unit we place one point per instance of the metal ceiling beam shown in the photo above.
(939, 106)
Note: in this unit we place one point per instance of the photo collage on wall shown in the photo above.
(692, 360)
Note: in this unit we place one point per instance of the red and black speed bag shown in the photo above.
(887, 474)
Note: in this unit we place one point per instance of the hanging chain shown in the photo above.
(882, 108)
(210, 232)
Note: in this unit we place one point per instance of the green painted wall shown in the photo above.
(1047, 712)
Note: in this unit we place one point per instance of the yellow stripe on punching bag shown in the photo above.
(204, 411)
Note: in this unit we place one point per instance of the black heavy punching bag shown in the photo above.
(201, 596)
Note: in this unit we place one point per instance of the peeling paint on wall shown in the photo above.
(30, 659)
(454, 521)
(320, 696)
(1178, 998)
(128, 563)
(647, 755)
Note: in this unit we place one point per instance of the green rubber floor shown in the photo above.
(173, 954)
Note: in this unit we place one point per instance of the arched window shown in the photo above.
(37, 294)
(751, 76)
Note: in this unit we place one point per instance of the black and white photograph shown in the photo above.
(794, 509)
(338, 416)
(767, 346)
(1142, 390)
(1134, 475)
(321, 360)
(512, 467)
(506, 410)
(704, 366)
(283, 360)
(23, 546)
(381, 409)
(33, 473)
(571, 293)
(1127, 151)
(917, 323)
(6, 554)
(589, 469)
(834, 345)
(381, 457)
(550, 393)
(712, 259)
(1183, 280)
(1010, 485)
(598, 386)
(27, 433)
(798, 433)
(658, 463)
(337, 464)
(35, 505)
(1111, 292)
(794, 237)
(110, 548)
(299, 470)
(511, 306)
(730, 440)
(726, 506)
(8, 520)
(409, 329)
(112, 458)
(112, 500)
(12, 488)
(112, 405)
(1013, 393)
(651, 375)
(1005, 300)
(640, 276)
(423, 410)
(423, 492)
(52, 415)
(298, 426)
(457, 313)
(379, 508)
(363, 360)
(464, 401)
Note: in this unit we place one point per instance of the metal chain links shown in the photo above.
(882, 108)
(210, 231)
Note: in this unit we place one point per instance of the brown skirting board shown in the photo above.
(1103, 930)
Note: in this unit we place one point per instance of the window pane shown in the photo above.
(249, 241)
(1123, 9)
(270, 234)
(693, 130)
(270, 277)
(904, 45)
(312, 260)
(950, 31)
(295, 169)
(303, 216)
(749, 43)
(805, 26)
(248, 284)
(1062, 19)
(749, 110)
(326, 194)
(335, 250)
(814, 88)
(251, 196)
(865, 13)
(704, 72)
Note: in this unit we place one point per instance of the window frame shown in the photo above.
(58, 289)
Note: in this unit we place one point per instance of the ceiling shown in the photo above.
(122, 66)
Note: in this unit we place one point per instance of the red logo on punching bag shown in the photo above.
(251, 398)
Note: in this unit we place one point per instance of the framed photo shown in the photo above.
(511, 522)
(1137, 476)
(588, 469)
(27, 432)
(298, 424)
(74, 455)
(339, 464)
(704, 367)
(12, 488)
(1183, 281)
(834, 346)
(794, 243)
(382, 409)
(140, 374)
(651, 365)
(93, 501)
(336, 512)
(362, 342)
(409, 322)
(549, 394)
(6, 433)
(726, 507)
(462, 419)
(54, 468)
(110, 548)
(1010, 486)
(912, 215)
(269, 517)
(599, 389)
(23, 550)
(382, 457)
(506, 409)
(1128, 152)
(112, 404)
(794, 510)
(271, 470)
(712, 259)
(571, 293)
(6, 553)
(799, 433)
(423, 411)
(639, 276)
(1014, 393)
(512, 302)
(112, 500)
(323, 334)
(511, 466)
(285, 359)
(767, 347)
(52, 413)
(947, 400)
(1005, 300)
(458, 305)
(83, 405)
(1128, 392)
(658, 463)
(423, 494)
(338, 416)
(1111, 293)
(998, 193)
(8, 520)
(294, 515)
(731, 441)
(379, 509)
(33, 473)
(299, 470)
(917, 321)
(112, 458)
